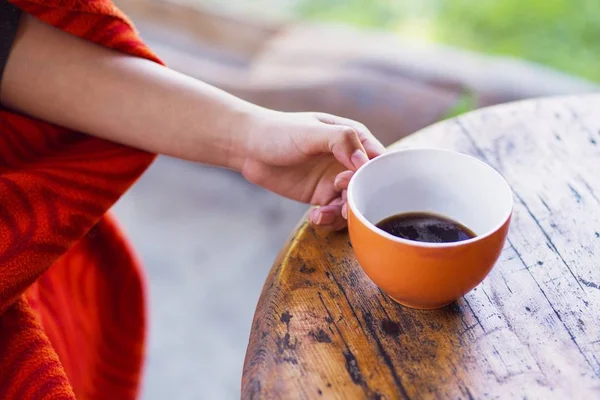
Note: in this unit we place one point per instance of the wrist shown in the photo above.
(244, 130)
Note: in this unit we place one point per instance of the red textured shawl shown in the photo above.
(72, 321)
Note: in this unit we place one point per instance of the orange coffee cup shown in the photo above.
(458, 186)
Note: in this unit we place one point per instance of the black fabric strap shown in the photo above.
(10, 17)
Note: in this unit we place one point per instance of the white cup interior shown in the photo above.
(438, 181)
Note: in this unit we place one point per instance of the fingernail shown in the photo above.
(325, 218)
(345, 211)
(338, 181)
(313, 215)
(359, 158)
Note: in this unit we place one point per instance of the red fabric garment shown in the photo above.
(72, 320)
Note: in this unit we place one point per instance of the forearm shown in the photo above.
(73, 83)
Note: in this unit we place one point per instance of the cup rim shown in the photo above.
(381, 232)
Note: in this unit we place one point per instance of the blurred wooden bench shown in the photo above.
(393, 86)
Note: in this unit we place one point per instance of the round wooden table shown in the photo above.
(530, 330)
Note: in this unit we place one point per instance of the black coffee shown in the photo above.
(425, 227)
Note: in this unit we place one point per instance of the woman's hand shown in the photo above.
(308, 157)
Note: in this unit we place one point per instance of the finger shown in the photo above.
(346, 147)
(372, 146)
(344, 211)
(328, 216)
(341, 141)
(323, 217)
(342, 222)
(315, 214)
(338, 222)
(342, 180)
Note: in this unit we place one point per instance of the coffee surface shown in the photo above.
(425, 227)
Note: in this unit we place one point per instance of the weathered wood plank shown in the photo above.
(531, 329)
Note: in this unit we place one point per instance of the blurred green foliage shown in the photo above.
(564, 34)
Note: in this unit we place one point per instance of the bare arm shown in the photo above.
(308, 157)
(73, 83)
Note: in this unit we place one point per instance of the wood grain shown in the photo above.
(530, 330)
